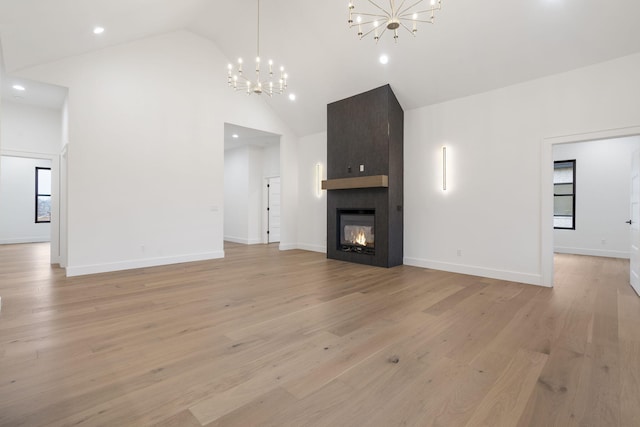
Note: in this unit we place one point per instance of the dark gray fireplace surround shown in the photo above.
(365, 175)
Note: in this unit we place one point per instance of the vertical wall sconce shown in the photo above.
(318, 180)
(444, 168)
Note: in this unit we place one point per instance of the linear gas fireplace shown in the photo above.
(357, 231)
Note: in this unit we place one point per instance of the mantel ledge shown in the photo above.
(372, 181)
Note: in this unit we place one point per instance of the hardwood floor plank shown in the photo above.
(259, 411)
(263, 374)
(629, 383)
(551, 403)
(506, 401)
(598, 398)
(181, 419)
(628, 317)
(354, 353)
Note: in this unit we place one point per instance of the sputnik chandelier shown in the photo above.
(266, 83)
(377, 19)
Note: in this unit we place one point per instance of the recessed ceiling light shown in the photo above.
(235, 135)
(384, 59)
(19, 87)
(98, 30)
(292, 96)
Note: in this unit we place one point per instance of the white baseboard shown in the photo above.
(240, 240)
(141, 263)
(592, 252)
(19, 240)
(312, 248)
(511, 276)
(287, 246)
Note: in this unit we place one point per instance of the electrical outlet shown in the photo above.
(459, 252)
(361, 168)
(604, 241)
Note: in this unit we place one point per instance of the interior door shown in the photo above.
(274, 210)
(634, 223)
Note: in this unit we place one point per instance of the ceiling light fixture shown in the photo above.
(237, 79)
(19, 87)
(98, 30)
(235, 136)
(384, 59)
(377, 20)
(292, 96)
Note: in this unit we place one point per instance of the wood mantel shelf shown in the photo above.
(375, 181)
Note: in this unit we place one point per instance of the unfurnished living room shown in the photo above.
(342, 213)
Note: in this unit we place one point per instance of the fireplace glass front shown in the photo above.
(357, 231)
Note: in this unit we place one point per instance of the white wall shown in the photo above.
(271, 161)
(312, 210)
(255, 194)
(17, 201)
(145, 152)
(603, 169)
(236, 195)
(30, 129)
(491, 211)
(244, 171)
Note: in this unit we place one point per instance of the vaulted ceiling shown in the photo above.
(473, 47)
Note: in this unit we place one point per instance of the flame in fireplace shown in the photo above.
(360, 238)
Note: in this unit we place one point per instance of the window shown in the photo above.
(564, 194)
(43, 195)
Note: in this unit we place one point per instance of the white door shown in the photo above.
(273, 208)
(634, 223)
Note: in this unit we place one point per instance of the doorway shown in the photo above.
(602, 189)
(35, 130)
(251, 162)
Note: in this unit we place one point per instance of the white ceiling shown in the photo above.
(35, 93)
(474, 46)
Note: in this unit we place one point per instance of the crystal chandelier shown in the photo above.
(377, 19)
(266, 83)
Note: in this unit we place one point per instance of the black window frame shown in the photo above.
(38, 169)
(573, 195)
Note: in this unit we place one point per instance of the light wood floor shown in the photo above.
(270, 338)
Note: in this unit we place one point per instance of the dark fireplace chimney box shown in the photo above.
(365, 178)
